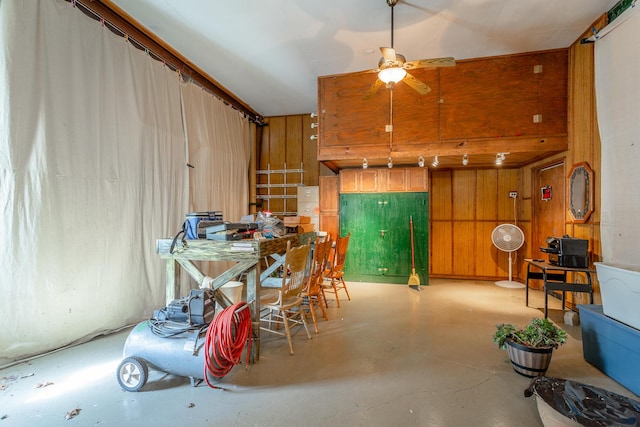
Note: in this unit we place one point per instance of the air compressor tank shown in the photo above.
(181, 354)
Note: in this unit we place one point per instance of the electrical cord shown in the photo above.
(225, 341)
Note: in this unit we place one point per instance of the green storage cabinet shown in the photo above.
(380, 246)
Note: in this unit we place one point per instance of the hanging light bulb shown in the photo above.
(389, 163)
(465, 160)
(392, 74)
(435, 162)
(365, 163)
(421, 161)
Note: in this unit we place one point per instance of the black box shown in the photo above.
(568, 252)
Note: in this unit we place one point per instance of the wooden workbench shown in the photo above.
(247, 261)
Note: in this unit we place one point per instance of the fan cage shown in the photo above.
(507, 237)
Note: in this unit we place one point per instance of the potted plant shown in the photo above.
(530, 348)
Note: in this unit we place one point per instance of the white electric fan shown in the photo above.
(508, 238)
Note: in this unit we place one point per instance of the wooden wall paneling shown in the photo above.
(329, 193)
(441, 248)
(484, 251)
(441, 197)
(552, 87)
(275, 159)
(293, 156)
(463, 195)
(415, 116)
(309, 151)
(329, 205)
(508, 180)
(346, 117)
(487, 194)
(489, 98)
(464, 235)
(520, 267)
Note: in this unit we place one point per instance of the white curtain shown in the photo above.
(219, 154)
(92, 171)
(617, 71)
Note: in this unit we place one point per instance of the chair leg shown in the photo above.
(287, 329)
(335, 290)
(322, 305)
(324, 297)
(344, 285)
(304, 322)
(312, 309)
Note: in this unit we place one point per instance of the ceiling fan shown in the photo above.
(392, 67)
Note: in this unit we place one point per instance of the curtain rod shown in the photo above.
(121, 24)
(598, 34)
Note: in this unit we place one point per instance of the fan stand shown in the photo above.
(509, 283)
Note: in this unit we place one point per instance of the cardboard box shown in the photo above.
(306, 228)
(291, 221)
(611, 346)
(305, 220)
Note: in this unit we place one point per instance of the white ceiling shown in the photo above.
(269, 53)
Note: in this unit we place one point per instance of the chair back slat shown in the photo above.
(320, 256)
(341, 253)
(295, 270)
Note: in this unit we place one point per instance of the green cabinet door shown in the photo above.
(379, 248)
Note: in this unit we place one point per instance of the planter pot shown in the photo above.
(528, 361)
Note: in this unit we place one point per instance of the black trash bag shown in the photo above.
(587, 405)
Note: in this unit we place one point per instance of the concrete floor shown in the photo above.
(390, 357)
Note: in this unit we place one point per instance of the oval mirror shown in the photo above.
(581, 192)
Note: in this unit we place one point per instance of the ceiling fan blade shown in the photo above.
(434, 62)
(388, 53)
(416, 84)
(374, 89)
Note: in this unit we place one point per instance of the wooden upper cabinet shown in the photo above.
(509, 96)
(348, 117)
(395, 180)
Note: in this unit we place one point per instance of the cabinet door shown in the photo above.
(362, 216)
(379, 248)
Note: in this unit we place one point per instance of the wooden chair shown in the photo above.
(334, 276)
(284, 306)
(312, 294)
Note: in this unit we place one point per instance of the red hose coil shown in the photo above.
(225, 341)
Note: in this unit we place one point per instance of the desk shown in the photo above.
(555, 279)
(247, 260)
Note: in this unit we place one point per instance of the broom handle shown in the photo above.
(412, 256)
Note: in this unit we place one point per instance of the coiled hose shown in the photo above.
(225, 340)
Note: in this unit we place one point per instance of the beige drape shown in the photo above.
(95, 137)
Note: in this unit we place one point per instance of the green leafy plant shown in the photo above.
(538, 333)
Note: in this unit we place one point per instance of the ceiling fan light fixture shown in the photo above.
(392, 74)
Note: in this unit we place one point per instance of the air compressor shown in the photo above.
(184, 339)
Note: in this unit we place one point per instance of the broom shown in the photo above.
(414, 279)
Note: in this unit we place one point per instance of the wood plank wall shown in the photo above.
(466, 204)
(584, 146)
(286, 140)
